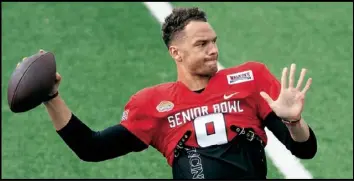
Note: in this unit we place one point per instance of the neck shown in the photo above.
(193, 82)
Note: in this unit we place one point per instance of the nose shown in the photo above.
(213, 49)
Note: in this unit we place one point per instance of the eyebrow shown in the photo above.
(205, 39)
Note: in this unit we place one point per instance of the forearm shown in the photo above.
(305, 149)
(59, 112)
(300, 131)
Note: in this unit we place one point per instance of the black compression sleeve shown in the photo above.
(98, 146)
(303, 150)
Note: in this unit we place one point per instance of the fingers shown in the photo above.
(267, 98)
(307, 86)
(57, 77)
(283, 78)
(24, 58)
(292, 75)
(301, 79)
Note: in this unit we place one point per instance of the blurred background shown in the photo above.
(106, 52)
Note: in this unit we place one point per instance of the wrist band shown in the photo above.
(51, 97)
(291, 122)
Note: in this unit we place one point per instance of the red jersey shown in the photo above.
(160, 115)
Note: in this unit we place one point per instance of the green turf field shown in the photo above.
(107, 51)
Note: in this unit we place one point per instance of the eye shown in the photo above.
(202, 43)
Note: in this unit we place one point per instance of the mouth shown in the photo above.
(211, 60)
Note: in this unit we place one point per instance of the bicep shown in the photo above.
(99, 146)
(117, 140)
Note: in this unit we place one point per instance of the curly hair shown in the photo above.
(177, 20)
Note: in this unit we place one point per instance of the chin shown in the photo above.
(214, 72)
(213, 69)
(210, 72)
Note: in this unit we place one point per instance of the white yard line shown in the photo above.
(287, 164)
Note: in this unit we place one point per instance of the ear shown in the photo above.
(175, 53)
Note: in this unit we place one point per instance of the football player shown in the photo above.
(208, 124)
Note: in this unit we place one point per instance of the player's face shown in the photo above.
(198, 50)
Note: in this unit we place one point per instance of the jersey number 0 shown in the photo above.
(219, 137)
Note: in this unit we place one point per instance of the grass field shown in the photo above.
(108, 51)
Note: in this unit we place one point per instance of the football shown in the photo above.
(31, 82)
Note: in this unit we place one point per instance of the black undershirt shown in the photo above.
(115, 141)
(199, 91)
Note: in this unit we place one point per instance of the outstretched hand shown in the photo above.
(290, 102)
